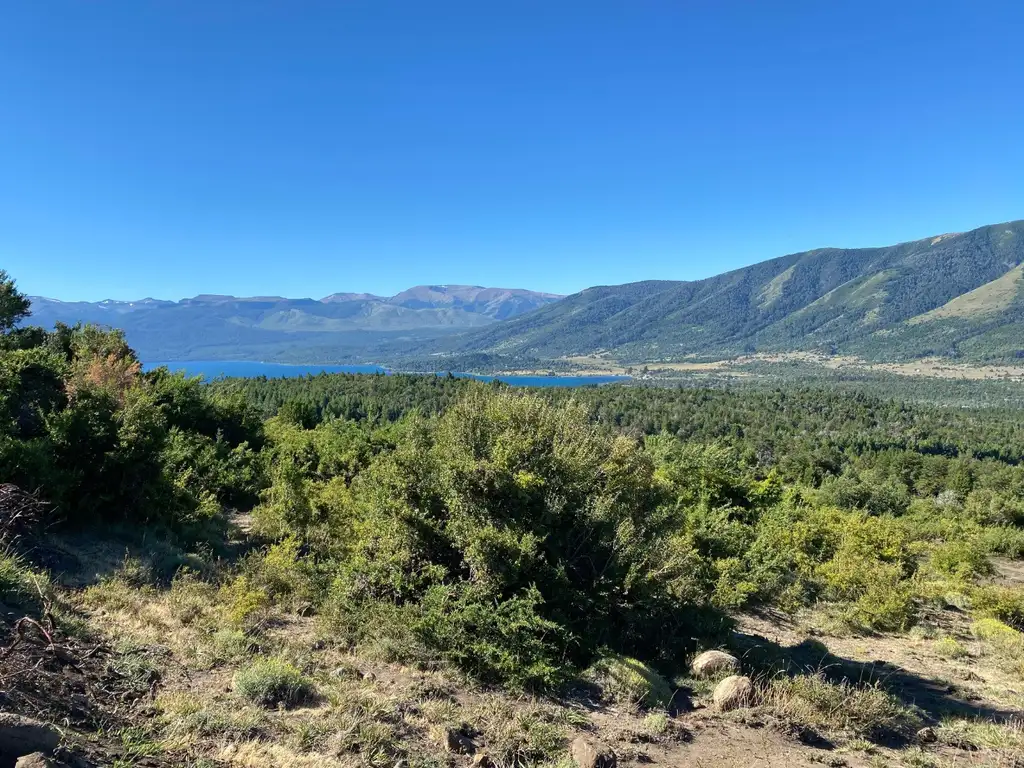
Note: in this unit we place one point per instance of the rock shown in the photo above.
(927, 736)
(588, 754)
(711, 663)
(734, 692)
(23, 735)
(456, 741)
(482, 760)
(35, 760)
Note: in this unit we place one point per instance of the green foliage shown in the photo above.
(1003, 603)
(518, 536)
(13, 304)
(104, 441)
(271, 682)
(525, 537)
(951, 648)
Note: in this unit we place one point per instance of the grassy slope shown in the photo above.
(863, 696)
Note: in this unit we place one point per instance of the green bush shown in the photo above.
(1003, 603)
(524, 538)
(271, 682)
(951, 648)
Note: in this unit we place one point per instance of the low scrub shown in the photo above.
(272, 682)
(814, 701)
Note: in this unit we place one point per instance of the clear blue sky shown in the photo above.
(173, 147)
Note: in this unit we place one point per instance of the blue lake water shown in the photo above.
(212, 369)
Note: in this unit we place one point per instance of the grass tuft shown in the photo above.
(862, 710)
(272, 682)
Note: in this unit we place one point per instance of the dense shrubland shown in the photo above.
(103, 442)
(521, 537)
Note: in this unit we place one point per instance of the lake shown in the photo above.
(211, 369)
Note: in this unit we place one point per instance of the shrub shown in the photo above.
(1002, 636)
(520, 539)
(272, 682)
(629, 682)
(1003, 603)
(963, 559)
(951, 648)
(815, 701)
(505, 642)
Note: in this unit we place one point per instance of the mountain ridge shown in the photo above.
(218, 326)
(858, 301)
(954, 295)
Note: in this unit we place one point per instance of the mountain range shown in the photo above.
(957, 295)
(219, 327)
(953, 295)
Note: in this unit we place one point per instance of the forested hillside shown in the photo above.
(364, 570)
(953, 295)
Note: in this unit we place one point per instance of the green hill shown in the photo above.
(955, 295)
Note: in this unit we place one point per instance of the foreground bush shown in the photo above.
(273, 682)
(521, 539)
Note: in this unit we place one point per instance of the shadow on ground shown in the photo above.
(934, 698)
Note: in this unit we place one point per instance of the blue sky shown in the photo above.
(175, 147)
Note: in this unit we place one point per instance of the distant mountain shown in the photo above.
(954, 295)
(336, 327)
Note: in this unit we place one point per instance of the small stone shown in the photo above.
(711, 663)
(734, 692)
(482, 760)
(927, 736)
(35, 760)
(458, 742)
(587, 754)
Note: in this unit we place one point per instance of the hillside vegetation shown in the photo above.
(373, 570)
(952, 296)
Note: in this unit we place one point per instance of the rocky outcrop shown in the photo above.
(23, 736)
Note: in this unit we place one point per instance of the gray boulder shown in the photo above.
(712, 663)
(734, 692)
(592, 754)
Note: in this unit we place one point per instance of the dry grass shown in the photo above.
(375, 711)
(1004, 740)
(861, 710)
(987, 299)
